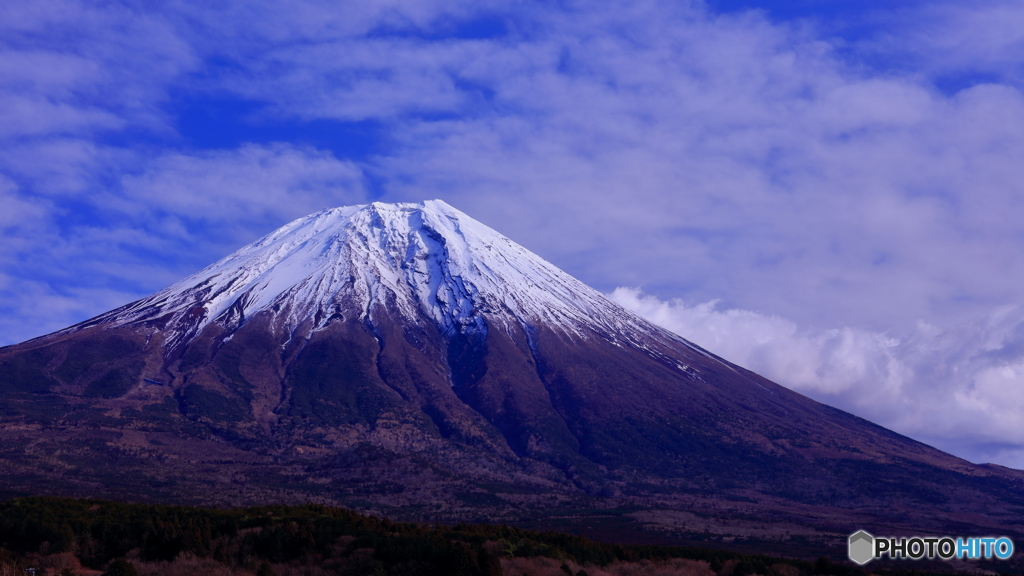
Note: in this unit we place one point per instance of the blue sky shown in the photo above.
(828, 192)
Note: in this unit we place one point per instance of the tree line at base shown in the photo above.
(80, 537)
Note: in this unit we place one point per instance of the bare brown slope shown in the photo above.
(516, 424)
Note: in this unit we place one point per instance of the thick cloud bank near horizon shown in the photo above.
(852, 168)
(960, 389)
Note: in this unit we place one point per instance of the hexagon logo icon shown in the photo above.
(861, 547)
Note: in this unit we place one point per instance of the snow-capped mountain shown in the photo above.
(406, 359)
(407, 261)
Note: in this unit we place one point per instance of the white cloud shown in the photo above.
(73, 67)
(29, 309)
(178, 213)
(961, 389)
(20, 212)
(248, 185)
(980, 38)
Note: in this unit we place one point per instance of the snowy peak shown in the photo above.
(416, 260)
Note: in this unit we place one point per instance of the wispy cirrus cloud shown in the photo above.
(957, 43)
(252, 186)
(181, 212)
(74, 67)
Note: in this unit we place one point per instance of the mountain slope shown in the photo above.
(405, 358)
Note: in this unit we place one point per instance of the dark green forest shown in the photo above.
(80, 536)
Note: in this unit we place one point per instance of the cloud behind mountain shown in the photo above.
(956, 388)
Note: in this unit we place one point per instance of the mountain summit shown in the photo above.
(407, 360)
(397, 262)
